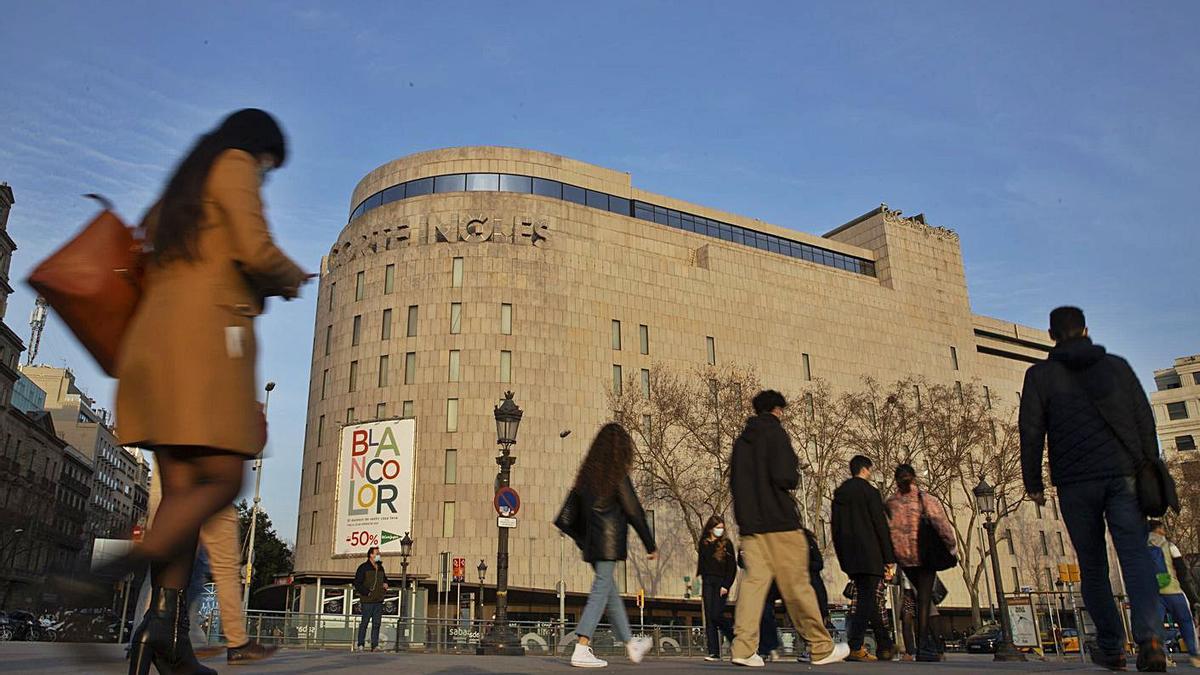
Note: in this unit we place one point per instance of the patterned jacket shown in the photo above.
(905, 512)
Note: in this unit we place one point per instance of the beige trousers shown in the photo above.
(782, 556)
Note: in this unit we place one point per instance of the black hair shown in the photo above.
(768, 400)
(858, 463)
(371, 553)
(904, 470)
(1067, 323)
(182, 205)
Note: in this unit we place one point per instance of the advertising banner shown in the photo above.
(1024, 623)
(375, 486)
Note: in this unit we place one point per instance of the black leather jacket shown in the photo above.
(608, 520)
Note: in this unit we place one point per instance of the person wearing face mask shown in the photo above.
(906, 507)
(716, 565)
(370, 582)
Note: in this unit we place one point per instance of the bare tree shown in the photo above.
(1184, 527)
(884, 426)
(818, 422)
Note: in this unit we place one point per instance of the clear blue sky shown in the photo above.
(1060, 139)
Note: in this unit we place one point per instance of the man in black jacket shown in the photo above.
(1091, 407)
(763, 472)
(863, 542)
(371, 583)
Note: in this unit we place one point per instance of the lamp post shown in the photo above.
(482, 569)
(254, 510)
(985, 499)
(502, 640)
(405, 551)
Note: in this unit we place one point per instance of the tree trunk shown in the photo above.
(976, 614)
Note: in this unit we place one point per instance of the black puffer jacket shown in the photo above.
(763, 471)
(608, 521)
(1093, 410)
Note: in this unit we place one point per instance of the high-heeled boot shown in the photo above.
(162, 639)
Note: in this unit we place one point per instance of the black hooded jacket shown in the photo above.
(1093, 410)
(763, 471)
(608, 522)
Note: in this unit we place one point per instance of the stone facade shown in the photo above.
(568, 270)
(1176, 406)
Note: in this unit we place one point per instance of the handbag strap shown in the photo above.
(1138, 462)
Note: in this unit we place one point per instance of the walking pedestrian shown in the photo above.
(608, 507)
(1093, 412)
(863, 543)
(371, 584)
(716, 565)
(764, 472)
(1168, 562)
(906, 508)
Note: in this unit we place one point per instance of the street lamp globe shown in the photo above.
(406, 546)
(985, 497)
(482, 570)
(508, 419)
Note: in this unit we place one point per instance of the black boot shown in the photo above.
(162, 639)
(251, 651)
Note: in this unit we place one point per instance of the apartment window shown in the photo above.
(389, 279)
(1008, 537)
(954, 357)
(506, 366)
(411, 330)
(353, 375)
(410, 368)
(456, 273)
(644, 339)
(987, 396)
(349, 415)
(1038, 508)
(312, 529)
(447, 519)
(810, 406)
(958, 390)
(647, 425)
(616, 377)
(710, 344)
(451, 415)
(324, 383)
(453, 374)
(380, 411)
(645, 384)
(616, 335)
(385, 332)
(360, 285)
(451, 473)
(807, 362)
(1045, 544)
(317, 479)
(383, 371)
(332, 288)
(356, 331)
(328, 339)
(506, 319)
(406, 410)
(1062, 544)
(1185, 443)
(455, 318)
(1177, 410)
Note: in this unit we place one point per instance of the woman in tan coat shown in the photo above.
(186, 370)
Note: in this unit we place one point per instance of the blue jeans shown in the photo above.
(1085, 508)
(372, 612)
(1176, 606)
(604, 594)
(195, 595)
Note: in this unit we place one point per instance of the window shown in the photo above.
(353, 375)
(1016, 578)
(356, 331)
(807, 364)
(389, 279)
(406, 410)
(332, 288)
(328, 338)
(647, 425)
(1049, 579)
(455, 318)
(1038, 508)
(1177, 410)
(616, 335)
(451, 415)
(644, 339)
(547, 188)
(810, 406)
(349, 415)
(506, 319)
(987, 397)
(1053, 508)
(616, 377)
(506, 366)
(1008, 537)
(380, 411)
(360, 285)
(324, 383)
(451, 473)
(410, 368)
(650, 523)
(385, 332)
(447, 519)
(711, 345)
(1062, 544)
(312, 529)
(1045, 545)
(1185, 443)
(510, 183)
(383, 371)
(953, 357)
(456, 273)
(317, 479)
(645, 384)
(453, 183)
(411, 330)
(453, 374)
(958, 390)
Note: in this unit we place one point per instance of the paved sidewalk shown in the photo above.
(36, 657)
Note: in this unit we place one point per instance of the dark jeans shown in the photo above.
(768, 627)
(1085, 508)
(715, 622)
(372, 612)
(867, 613)
(922, 580)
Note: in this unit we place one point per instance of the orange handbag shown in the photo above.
(94, 283)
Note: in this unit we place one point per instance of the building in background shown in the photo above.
(1176, 406)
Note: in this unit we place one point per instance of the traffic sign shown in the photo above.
(507, 502)
(641, 598)
(460, 570)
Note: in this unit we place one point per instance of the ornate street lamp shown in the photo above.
(502, 639)
(405, 552)
(985, 500)
(482, 569)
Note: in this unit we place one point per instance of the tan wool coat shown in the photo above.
(187, 367)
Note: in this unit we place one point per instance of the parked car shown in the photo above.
(1070, 641)
(984, 640)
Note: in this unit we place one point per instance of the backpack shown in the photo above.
(1162, 573)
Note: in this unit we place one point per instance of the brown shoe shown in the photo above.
(251, 651)
(861, 654)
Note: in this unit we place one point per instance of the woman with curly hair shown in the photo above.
(716, 566)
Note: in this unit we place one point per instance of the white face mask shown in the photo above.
(718, 532)
(377, 557)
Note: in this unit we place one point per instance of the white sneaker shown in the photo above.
(710, 657)
(774, 657)
(840, 651)
(638, 647)
(752, 661)
(583, 657)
